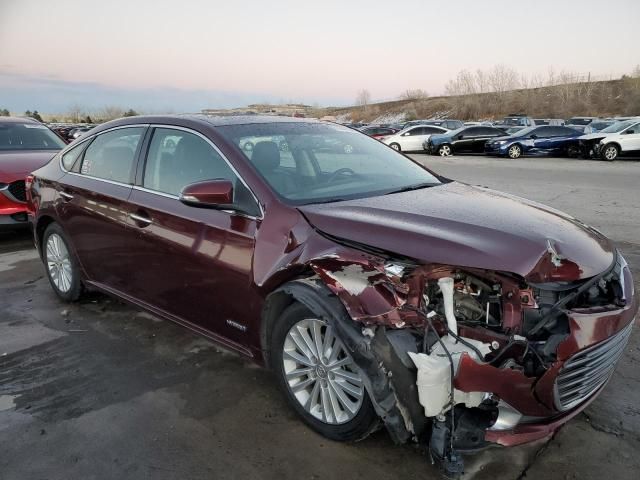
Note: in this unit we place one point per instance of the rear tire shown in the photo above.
(396, 147)
(610, 152)
(340, 424)
(62, 268)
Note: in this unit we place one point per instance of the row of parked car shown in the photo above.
(70, 131)
(514, 136)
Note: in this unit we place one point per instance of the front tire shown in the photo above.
(445, 151)
(319, 378)
(514, 151)
(610, 152)
(62, 269)
(396, 147)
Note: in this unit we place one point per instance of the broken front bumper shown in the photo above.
(586, 361)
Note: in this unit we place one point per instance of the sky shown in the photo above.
(182, 56)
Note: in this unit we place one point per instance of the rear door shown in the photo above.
(94, 210)
(193, 263)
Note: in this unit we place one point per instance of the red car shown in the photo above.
(378, 291)
(25, 145)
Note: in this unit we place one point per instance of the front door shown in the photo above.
(630, 139)
(193, 263)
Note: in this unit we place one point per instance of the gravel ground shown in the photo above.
(99, 390)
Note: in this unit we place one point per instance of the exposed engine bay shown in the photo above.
(477, 350)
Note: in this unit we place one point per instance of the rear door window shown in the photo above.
(70, 158)
(111, 155)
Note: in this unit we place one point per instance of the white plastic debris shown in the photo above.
(434, 376)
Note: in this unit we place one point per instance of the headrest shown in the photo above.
(266, 156)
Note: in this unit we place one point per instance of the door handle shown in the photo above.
(66, 196)
(141, 220)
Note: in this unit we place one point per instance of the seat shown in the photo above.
(115, 163)
(266, 158)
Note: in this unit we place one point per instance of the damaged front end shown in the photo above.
(463, 358)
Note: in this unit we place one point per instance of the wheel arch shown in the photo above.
(309, 291)
(391, 386)
(613, 142)
(40, 227)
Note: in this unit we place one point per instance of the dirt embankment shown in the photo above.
(604, 98)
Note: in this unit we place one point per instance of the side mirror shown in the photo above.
(533, 136)
(460, 137)
(406, 134)
(217, 194)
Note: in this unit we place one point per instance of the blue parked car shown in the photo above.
(544, 140)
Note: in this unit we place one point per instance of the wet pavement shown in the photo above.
(99, 390)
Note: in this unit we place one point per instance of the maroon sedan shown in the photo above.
(377, 291)
(25, 145)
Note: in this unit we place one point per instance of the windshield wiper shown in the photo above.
(412, 187)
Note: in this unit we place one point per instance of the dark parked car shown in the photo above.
(581, 121)
(543, 140)
(25, 145)
(364, 280)
(463, 140)
(378, 132)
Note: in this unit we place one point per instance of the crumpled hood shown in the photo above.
(15, 165)
(592, 136)
(462, 225)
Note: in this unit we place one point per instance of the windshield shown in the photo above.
(618, 126)
(317, 163)
(28, 136)
(524, 131)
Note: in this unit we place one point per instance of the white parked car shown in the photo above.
(625, 140)
(412, 138)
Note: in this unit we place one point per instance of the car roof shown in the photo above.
(18, 120)
(204, 120)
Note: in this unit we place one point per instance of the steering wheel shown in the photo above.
(339, 172)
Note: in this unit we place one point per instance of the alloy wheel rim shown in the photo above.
(610, 154)
(445, 151)
(59, 263)
(320, 373)
(395, 146)
(514, 152)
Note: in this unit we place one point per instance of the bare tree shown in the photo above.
(110, 112)
(414, 94)
(503, 79)
(363, 98)
(75, 113)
